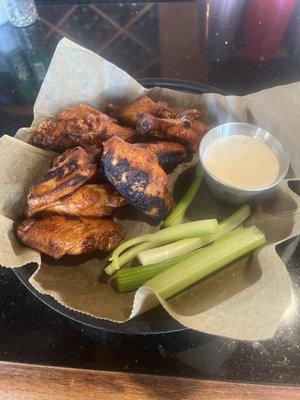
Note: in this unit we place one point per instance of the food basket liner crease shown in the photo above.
(245, 301)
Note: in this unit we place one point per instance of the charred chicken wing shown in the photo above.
(187, 128)
(72, 169)
(128, 114)
(80, 125)
(59, 235)
(136, 174)
(88, 201)
(169, 154)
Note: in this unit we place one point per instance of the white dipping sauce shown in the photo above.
(241, 161)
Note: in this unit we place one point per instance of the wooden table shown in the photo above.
(32, 382)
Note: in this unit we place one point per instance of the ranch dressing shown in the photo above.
(241, 161)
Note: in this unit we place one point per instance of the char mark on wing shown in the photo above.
(131, 184)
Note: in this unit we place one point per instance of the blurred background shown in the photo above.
(238, 46)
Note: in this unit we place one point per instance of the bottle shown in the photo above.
(33, 42)
(222, 19)
(22, 14)
(16, 61)
(266, 22)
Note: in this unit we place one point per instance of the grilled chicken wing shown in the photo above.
(80, 125)
(128, 114)
(138, 177)
(95, 153)
(71, 170)
(187, 128)
(58, 235)
(88, 201)
(169, 154)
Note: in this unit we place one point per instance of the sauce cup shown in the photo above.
(234, 195)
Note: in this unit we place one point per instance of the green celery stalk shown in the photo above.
(129, 279)
(180, 247)
(177, 214)
(179, 276)
(173, 233)
(128, 256)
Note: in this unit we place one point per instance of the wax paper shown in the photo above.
(246, 300)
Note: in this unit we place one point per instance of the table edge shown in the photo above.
(32, 382)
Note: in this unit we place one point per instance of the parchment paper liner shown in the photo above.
(245, 301)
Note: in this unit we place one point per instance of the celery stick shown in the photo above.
(177, 214)
(179, 276)
(227, 235)
(162, 253)
(129, 279)
(129, 256)
(188, 230)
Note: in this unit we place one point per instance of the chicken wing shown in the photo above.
(169, 154)
(95, 153)
(87, 201)
(128, 114)
(187, 128)
(138, 177)
(72, 169)
(59, 235)
(80, 125)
